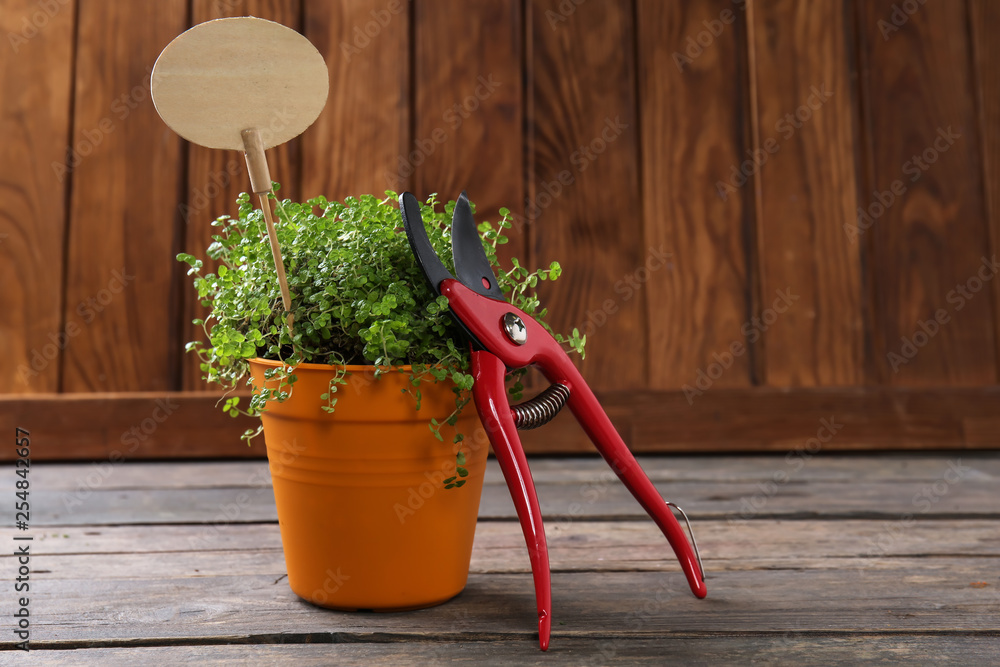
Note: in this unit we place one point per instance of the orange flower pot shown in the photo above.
(366, 522)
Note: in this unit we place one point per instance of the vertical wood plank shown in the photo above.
(984, 20)
(215, 177)
(36, 79)
(356, 143)
(807, 180)
(928, 238)
(691, 106)
(583, 185)
(124, 229)
(468, 107)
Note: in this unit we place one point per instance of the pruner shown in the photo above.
(505, 338)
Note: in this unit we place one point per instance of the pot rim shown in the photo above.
(350, 368)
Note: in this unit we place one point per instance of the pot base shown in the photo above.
(384, 610)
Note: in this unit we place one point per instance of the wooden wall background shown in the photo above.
(671, 98)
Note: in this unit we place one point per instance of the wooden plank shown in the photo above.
(596, 546)
(917, 596)
(764, 499)
(228, 538)
(692, 120)
(128, 506)
(151, 475)
(804, 142)
(582, 135)
(840, 467)
(354, 145)
(873, 418)
(215, 177)
(799, 648)
(124, 215)
(956, 492)
(924, 197)
(468, 109)
(722, 420)
(130, 426)
(36, 77)
(592, 470)
(605, 546)
(739, 502)
(984, 21)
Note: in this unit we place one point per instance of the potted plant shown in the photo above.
(377, 460)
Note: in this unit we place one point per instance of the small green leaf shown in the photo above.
(358, 297)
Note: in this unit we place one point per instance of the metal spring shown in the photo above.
(541, 409)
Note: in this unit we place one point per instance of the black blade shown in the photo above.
(471, 264)
(421, 246)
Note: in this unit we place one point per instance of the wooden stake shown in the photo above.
(260, 183)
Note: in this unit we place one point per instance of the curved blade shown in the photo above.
(421, 246)
(471, 265)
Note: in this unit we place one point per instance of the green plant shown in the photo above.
(358, 297)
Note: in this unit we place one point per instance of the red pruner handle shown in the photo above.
(494, 411)
(598, 426)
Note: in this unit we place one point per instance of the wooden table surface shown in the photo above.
(836, 559)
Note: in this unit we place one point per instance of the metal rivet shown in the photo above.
(514, 327)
